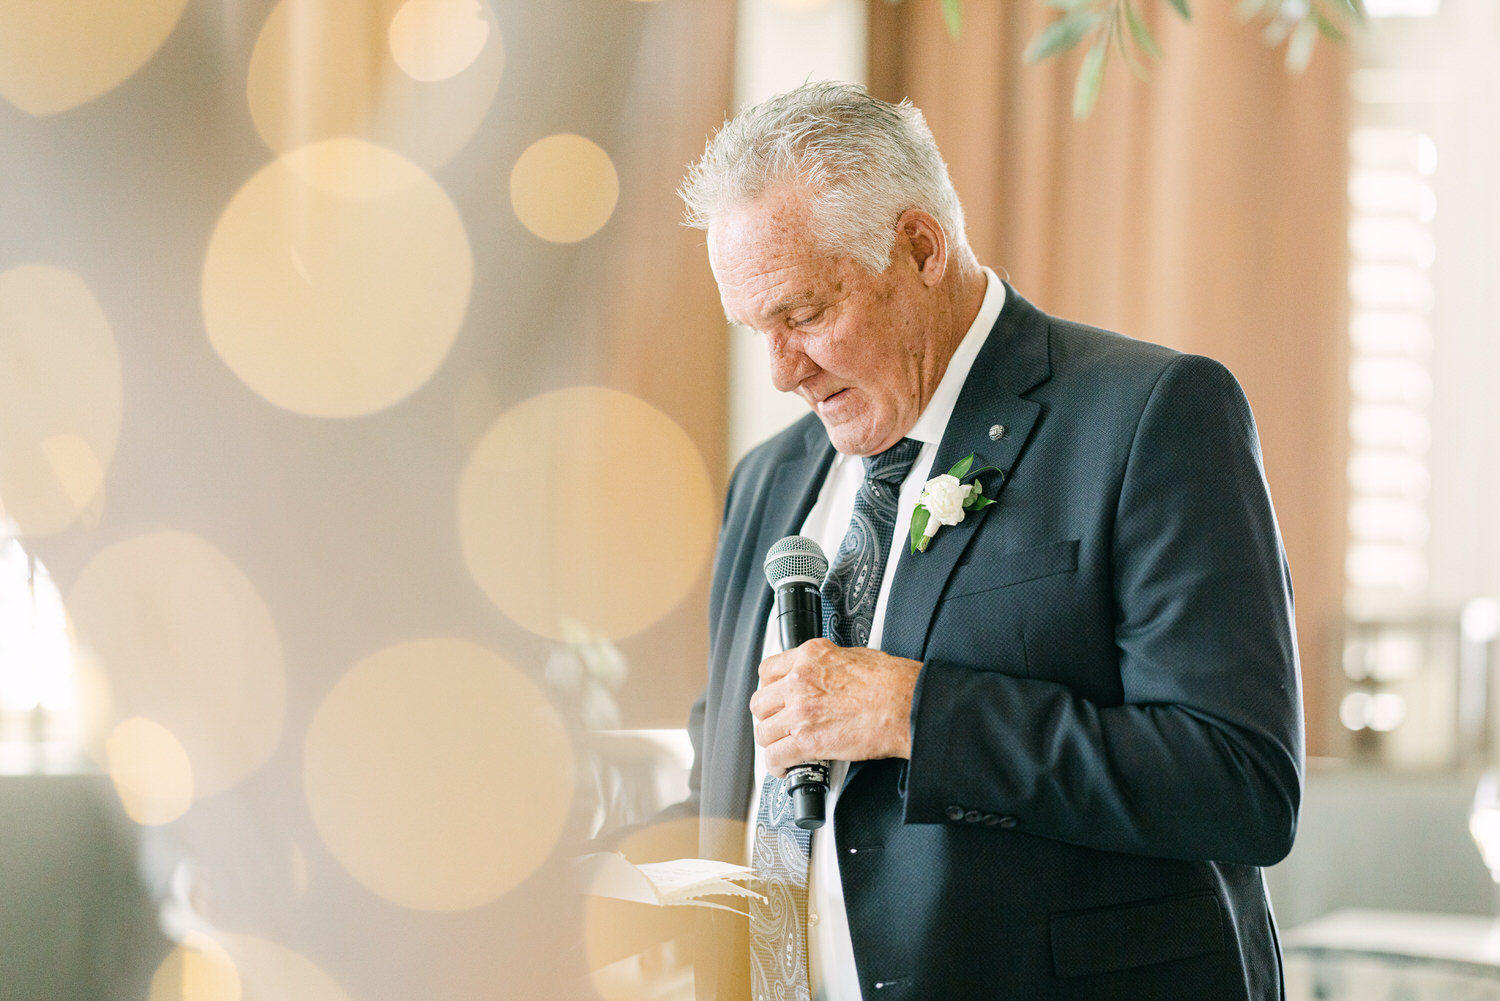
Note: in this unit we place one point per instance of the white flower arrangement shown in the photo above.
(944, 501)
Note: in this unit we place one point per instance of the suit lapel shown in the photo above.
(1013, 361)
(792, 489)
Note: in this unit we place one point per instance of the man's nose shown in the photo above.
(789, 365)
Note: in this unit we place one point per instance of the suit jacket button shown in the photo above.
(973, 816)
(990, 820)
(1007, 822)
(955, 813)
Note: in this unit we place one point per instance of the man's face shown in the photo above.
(855, 346)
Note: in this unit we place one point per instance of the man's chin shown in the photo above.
(848, 440)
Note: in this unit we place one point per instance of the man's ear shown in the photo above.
(926, 243)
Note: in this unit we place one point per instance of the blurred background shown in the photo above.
(365, 416)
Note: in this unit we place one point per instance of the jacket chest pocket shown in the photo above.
(988, 571)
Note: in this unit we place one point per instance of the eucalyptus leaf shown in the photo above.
(1068, 5)
(918, 528)
(1327, 28)
(1140, 32)
(1117, 39)
(1061, 35)
(953, 16)
(1090, 76)
(1181, 7)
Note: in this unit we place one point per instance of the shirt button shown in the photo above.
(955, 813)
(973, 816)
(812, 918)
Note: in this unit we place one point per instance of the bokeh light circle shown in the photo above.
(586, 505)
(150, 771)
(230, 967)
(58, 55)
(61, 398)
(564, 188)
(185, 640)
(337, 279)
(438, 775)
(199, 969)
(435, 40)
(322, 69)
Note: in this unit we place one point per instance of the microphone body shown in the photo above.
(795, 568)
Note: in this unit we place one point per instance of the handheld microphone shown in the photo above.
(795, 568)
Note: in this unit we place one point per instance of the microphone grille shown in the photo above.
(796, 559)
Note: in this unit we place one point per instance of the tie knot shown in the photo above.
(894, 463)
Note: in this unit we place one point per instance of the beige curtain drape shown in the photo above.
(1204, 209)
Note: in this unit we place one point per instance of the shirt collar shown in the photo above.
(934, 420)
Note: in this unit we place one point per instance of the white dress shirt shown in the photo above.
(832, 974)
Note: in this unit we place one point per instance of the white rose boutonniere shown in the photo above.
(944, 501)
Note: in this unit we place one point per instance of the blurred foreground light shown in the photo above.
(58, 55)
(438, 775)
(197, 970)
(589, 505)
(564, 188)
(337, 279)
(61, 398)
(417, 76)
(438, 39)
(240, 968)
(150, 771)
(184, 639)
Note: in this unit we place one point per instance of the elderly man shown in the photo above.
(1064, 720)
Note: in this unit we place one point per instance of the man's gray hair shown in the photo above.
(865, 162)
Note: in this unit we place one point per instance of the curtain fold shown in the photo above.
(1204, 208)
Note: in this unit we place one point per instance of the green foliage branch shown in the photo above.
(1106, 25)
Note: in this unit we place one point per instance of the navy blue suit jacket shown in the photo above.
(1107, 737)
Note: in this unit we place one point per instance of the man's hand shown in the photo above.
(822, 701)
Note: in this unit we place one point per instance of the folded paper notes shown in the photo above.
(683, 881)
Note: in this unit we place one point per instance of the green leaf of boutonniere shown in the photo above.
(963, 477)
(919, 529)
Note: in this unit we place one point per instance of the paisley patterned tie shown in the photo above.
(853, 582)
(778, 926)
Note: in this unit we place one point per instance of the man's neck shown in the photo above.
(968, 294)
